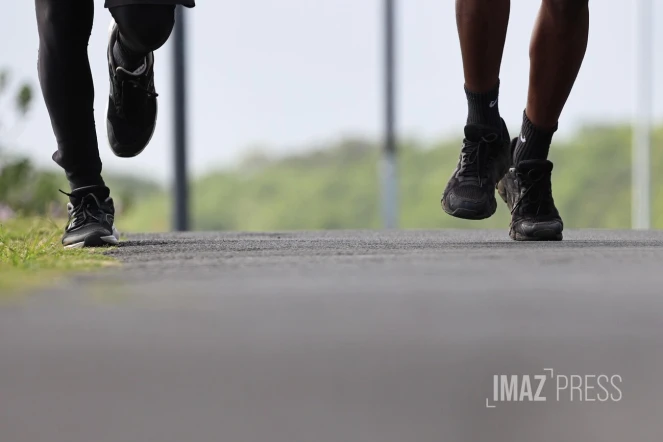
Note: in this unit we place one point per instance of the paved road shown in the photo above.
(342, 337)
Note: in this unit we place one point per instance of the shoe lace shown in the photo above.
(537, 193)
(89, 208)
(476, 158)
(131, 84)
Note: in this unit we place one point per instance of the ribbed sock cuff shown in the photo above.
(483, 108)
(533, 142)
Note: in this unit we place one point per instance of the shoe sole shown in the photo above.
(156, 114)
(541, 235)
(99, 241)
(469, 214)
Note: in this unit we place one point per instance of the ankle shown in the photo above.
(125, 57)
(483, 107)
(533, 142)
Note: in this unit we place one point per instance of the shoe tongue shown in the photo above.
(475, 132)
(541, 166)
(101, 192)
(135, 73)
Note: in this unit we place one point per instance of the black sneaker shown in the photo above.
(527, 191)
(91, 219)
(132, 104)
(484, 159)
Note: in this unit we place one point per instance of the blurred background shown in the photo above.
(285, 118)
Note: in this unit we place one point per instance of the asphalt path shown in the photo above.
(359, 336)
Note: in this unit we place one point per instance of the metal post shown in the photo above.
(641, 145)
(181, 206)
(389, 170)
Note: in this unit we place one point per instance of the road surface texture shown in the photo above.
(343, 337)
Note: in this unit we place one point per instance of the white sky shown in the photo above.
(292, 73)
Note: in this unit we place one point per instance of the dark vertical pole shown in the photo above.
(389, 170)
(181, 207)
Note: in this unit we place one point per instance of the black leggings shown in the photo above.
(65, 76)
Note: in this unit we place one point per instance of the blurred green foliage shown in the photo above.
(338, 188)
(21, 187)
(28, 191)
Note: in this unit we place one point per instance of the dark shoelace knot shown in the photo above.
(89, 207)
(476, 157)
(537, 191)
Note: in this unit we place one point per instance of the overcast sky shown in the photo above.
(286, 74)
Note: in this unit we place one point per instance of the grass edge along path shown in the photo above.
(32, 256)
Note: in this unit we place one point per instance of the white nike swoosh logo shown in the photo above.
(523, 139)
(493, 103)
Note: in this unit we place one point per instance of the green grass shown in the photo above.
(31, 254)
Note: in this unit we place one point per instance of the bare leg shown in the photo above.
(557, 49)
